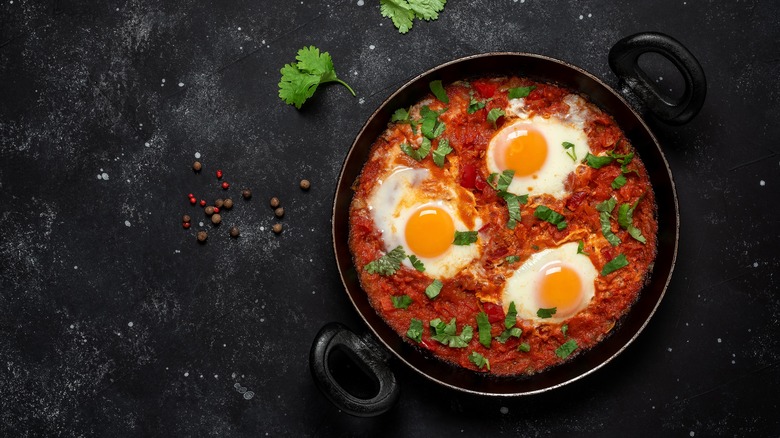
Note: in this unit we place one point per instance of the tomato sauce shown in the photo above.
(478, 288)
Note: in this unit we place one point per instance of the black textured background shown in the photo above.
(115, 322)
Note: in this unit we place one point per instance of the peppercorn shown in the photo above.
(277, 228)
(186, 218)
(196, 166)
(228, 203)
(202, 202)
(202, 236)
(225, 185)
(246, 193)
(279, 212)
(216, 219)
(275, 202)
(234, 232)
(305, 184)
(219, 174)
(218, 203)
(193, 201)
(209, 210)
(185, 225)
(216, 209)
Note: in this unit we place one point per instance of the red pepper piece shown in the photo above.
(494, 312)
(575, 200)
(485, 89)
(468, 176)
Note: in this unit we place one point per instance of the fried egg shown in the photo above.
(557, 278)
(422, 214)
(534, 149)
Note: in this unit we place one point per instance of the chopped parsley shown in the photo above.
(400, 115)
(438, 90)
(512, 259)
(605, 212)
(613, 265)
(465, 237)
(546, 313)
(518, 92)
(511, 316)
(504, 179)
(388, 263)
(401, 301)
(479, 360)
(513, 201)
(446, 333)
(596, 161)
(509, 321)
(415, 330)
(524, 347)
(571, 153)
(433, 289)
(565, 329)
(403, 12)
(483, 326)
(430, 126)
(494, 115)
(417, 263)
(513, 332)
(551, 216)
(417, 154)
(300, 79)
(441, 152)
(625, 220)
(581, 248)
(476, 105)
(566, 349)
(619, 182)
(607, 206)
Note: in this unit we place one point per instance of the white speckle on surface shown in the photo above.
(105, 176)
(181, 84)
(197, 154)
(762, 183)
(99, 176)
(372, 47)
(504, 410)
(755, 264)
(361, 101)
(590, 15)
(216, 376)
(234, 374)
(75, 267)
(719, 340)
(360, 3)
(692, 433)
(130, 324)
(669, 349)
(71, 326)
(163, 80)
(239, 28)
(581, 17)
(146, 144)
(127, 223)
(200, 224)
(248, 395)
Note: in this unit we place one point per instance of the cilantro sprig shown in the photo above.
(447, 333)
(479, 360)
(388, 264)
(403, 12)
(301, 79)
(566, 349)
(513, 201)
(549, 215)
(509, 323)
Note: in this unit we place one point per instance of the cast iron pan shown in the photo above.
(371, 358)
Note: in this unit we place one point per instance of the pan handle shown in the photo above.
(623, 59)
(366, 354)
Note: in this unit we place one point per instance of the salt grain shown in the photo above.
(187, 374)
(504, 410)
(127, 223)
(130, 324)
(360, 3)
(197, 154)
(762, 183)
(372, 47)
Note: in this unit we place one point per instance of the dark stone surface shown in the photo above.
(115, 322)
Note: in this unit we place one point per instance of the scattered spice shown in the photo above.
(216, 219)
(234, 232)
(279, 212)
(228, 203)
(193, 201)
(225, 185)
(216, 209)
(202, 236)
(275, 202)
(246, 193)
(305, 184)
(219, 174)
(277, 228)
(186, 218)
(196, 166)
(185, 225)
(202, 202)
(209, 210)
(218, 203)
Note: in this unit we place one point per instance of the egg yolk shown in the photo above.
(560, 287)
(525, 152)
(429, 232)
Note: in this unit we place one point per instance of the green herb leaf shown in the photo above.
(524, 347)
(300, 79)
(581, 248)
(401, 301)
(479, 360)
(465, 237)
(388, 263)
(417, 263)
(512, 259)
(438, 90)
(597, 162)
(483, 326)
(431, 127)
(441, 152)
(607, 206)
(546, 313)
(513, 206)
(566, 349)
(420, 153)
(619, 182)
(551, 216)
(565, 329)
(571, 153)
(400, 115)
(415, 330)
(503, 180)
(433, 289)
(494, 115)
(476, 105)
(511, 316)
(613, 265)
(606, 229)
(626, 221)
(399, 11)
(518, 92)
(513, 332)
(446, 333)
(636, 234)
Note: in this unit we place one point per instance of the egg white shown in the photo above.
(522, 287)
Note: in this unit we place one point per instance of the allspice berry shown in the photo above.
(196, 166)
(202, 236)
(228, 203)
(275, 202)
(277, 228)
(219, 203)
(279, 212)
(234, 232)
(246, 193)
(186, 218)
(216, 219)
(209, 210)
(305, 184)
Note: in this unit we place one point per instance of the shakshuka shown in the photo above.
(503, 224)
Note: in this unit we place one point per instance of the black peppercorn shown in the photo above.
(202, 236)
(279, 212)
(186, 218)
(216, 219)
(277, 228)
(219, 203)
(305, 184)
(228, 203)
(234, 232)
(209, 210)
(196, 166)
(246, 193)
